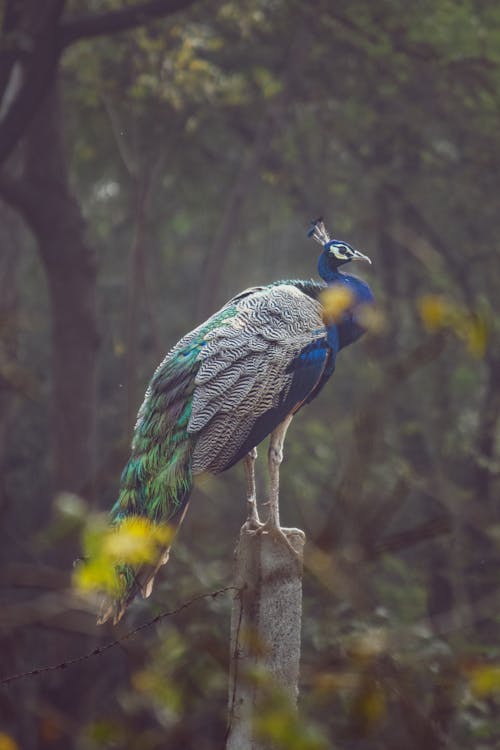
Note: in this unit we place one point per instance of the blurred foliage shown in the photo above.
(336, 301)
(277, 723)
(136, 541)
(199, 148)
(7, 743)
(438, 312)
(485, 680)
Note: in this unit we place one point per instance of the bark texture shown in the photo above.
(71, 276)
(43, 196)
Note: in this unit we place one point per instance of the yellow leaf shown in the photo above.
(434, 311)
(477, 336)
(129, 542)
(7, 743)
(373, 706)
(371, 318)
(485, 680)
(336, 300)
(97, 575)
(134, 541)
(437, 313)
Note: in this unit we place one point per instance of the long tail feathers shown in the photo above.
(141, 583)
(136, 581)
(155, 491)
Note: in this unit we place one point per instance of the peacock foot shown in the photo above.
(280, 535)
(253, 524)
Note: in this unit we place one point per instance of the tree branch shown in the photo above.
(401, 540)
(116, 21)
(366, 426)
(30, 73)
(29, 80)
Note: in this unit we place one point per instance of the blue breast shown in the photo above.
(350, 328)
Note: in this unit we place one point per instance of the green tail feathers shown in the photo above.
(157, 480)
(158, 491)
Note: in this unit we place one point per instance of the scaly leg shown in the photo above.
(275, 458)
(272, 525)
(253, 519)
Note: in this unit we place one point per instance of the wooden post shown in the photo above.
(265, 631)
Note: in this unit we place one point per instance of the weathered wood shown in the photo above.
(265, 629)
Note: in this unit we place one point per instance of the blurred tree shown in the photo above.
(33, 42)
(199, 147)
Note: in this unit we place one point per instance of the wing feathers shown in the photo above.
(244, 369)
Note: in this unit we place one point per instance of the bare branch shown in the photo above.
(401, 540)
(30, 77)
(31, 72)
(116, 21)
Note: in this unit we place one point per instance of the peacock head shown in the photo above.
(335, 252)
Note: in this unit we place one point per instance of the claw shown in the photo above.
(253, 524)
(280, 535)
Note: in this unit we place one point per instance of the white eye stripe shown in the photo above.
(342, 249)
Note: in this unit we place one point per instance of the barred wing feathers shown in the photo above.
(264, 363)
(157, 481)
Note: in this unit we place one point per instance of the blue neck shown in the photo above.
(360, 289)
(349, 329)
(328, 272)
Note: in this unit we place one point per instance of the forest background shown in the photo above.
(158, 157)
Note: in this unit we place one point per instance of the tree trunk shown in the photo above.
(13, 380)
(70, 266)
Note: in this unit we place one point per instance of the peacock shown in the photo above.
(228, 384)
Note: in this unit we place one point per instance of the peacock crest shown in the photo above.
(319, 232)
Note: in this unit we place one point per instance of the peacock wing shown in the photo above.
(257, 368)
(157, 480)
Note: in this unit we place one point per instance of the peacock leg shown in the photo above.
(275, 458)
(272, 525)
(253, 519)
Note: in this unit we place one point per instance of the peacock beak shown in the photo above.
(359, 256)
